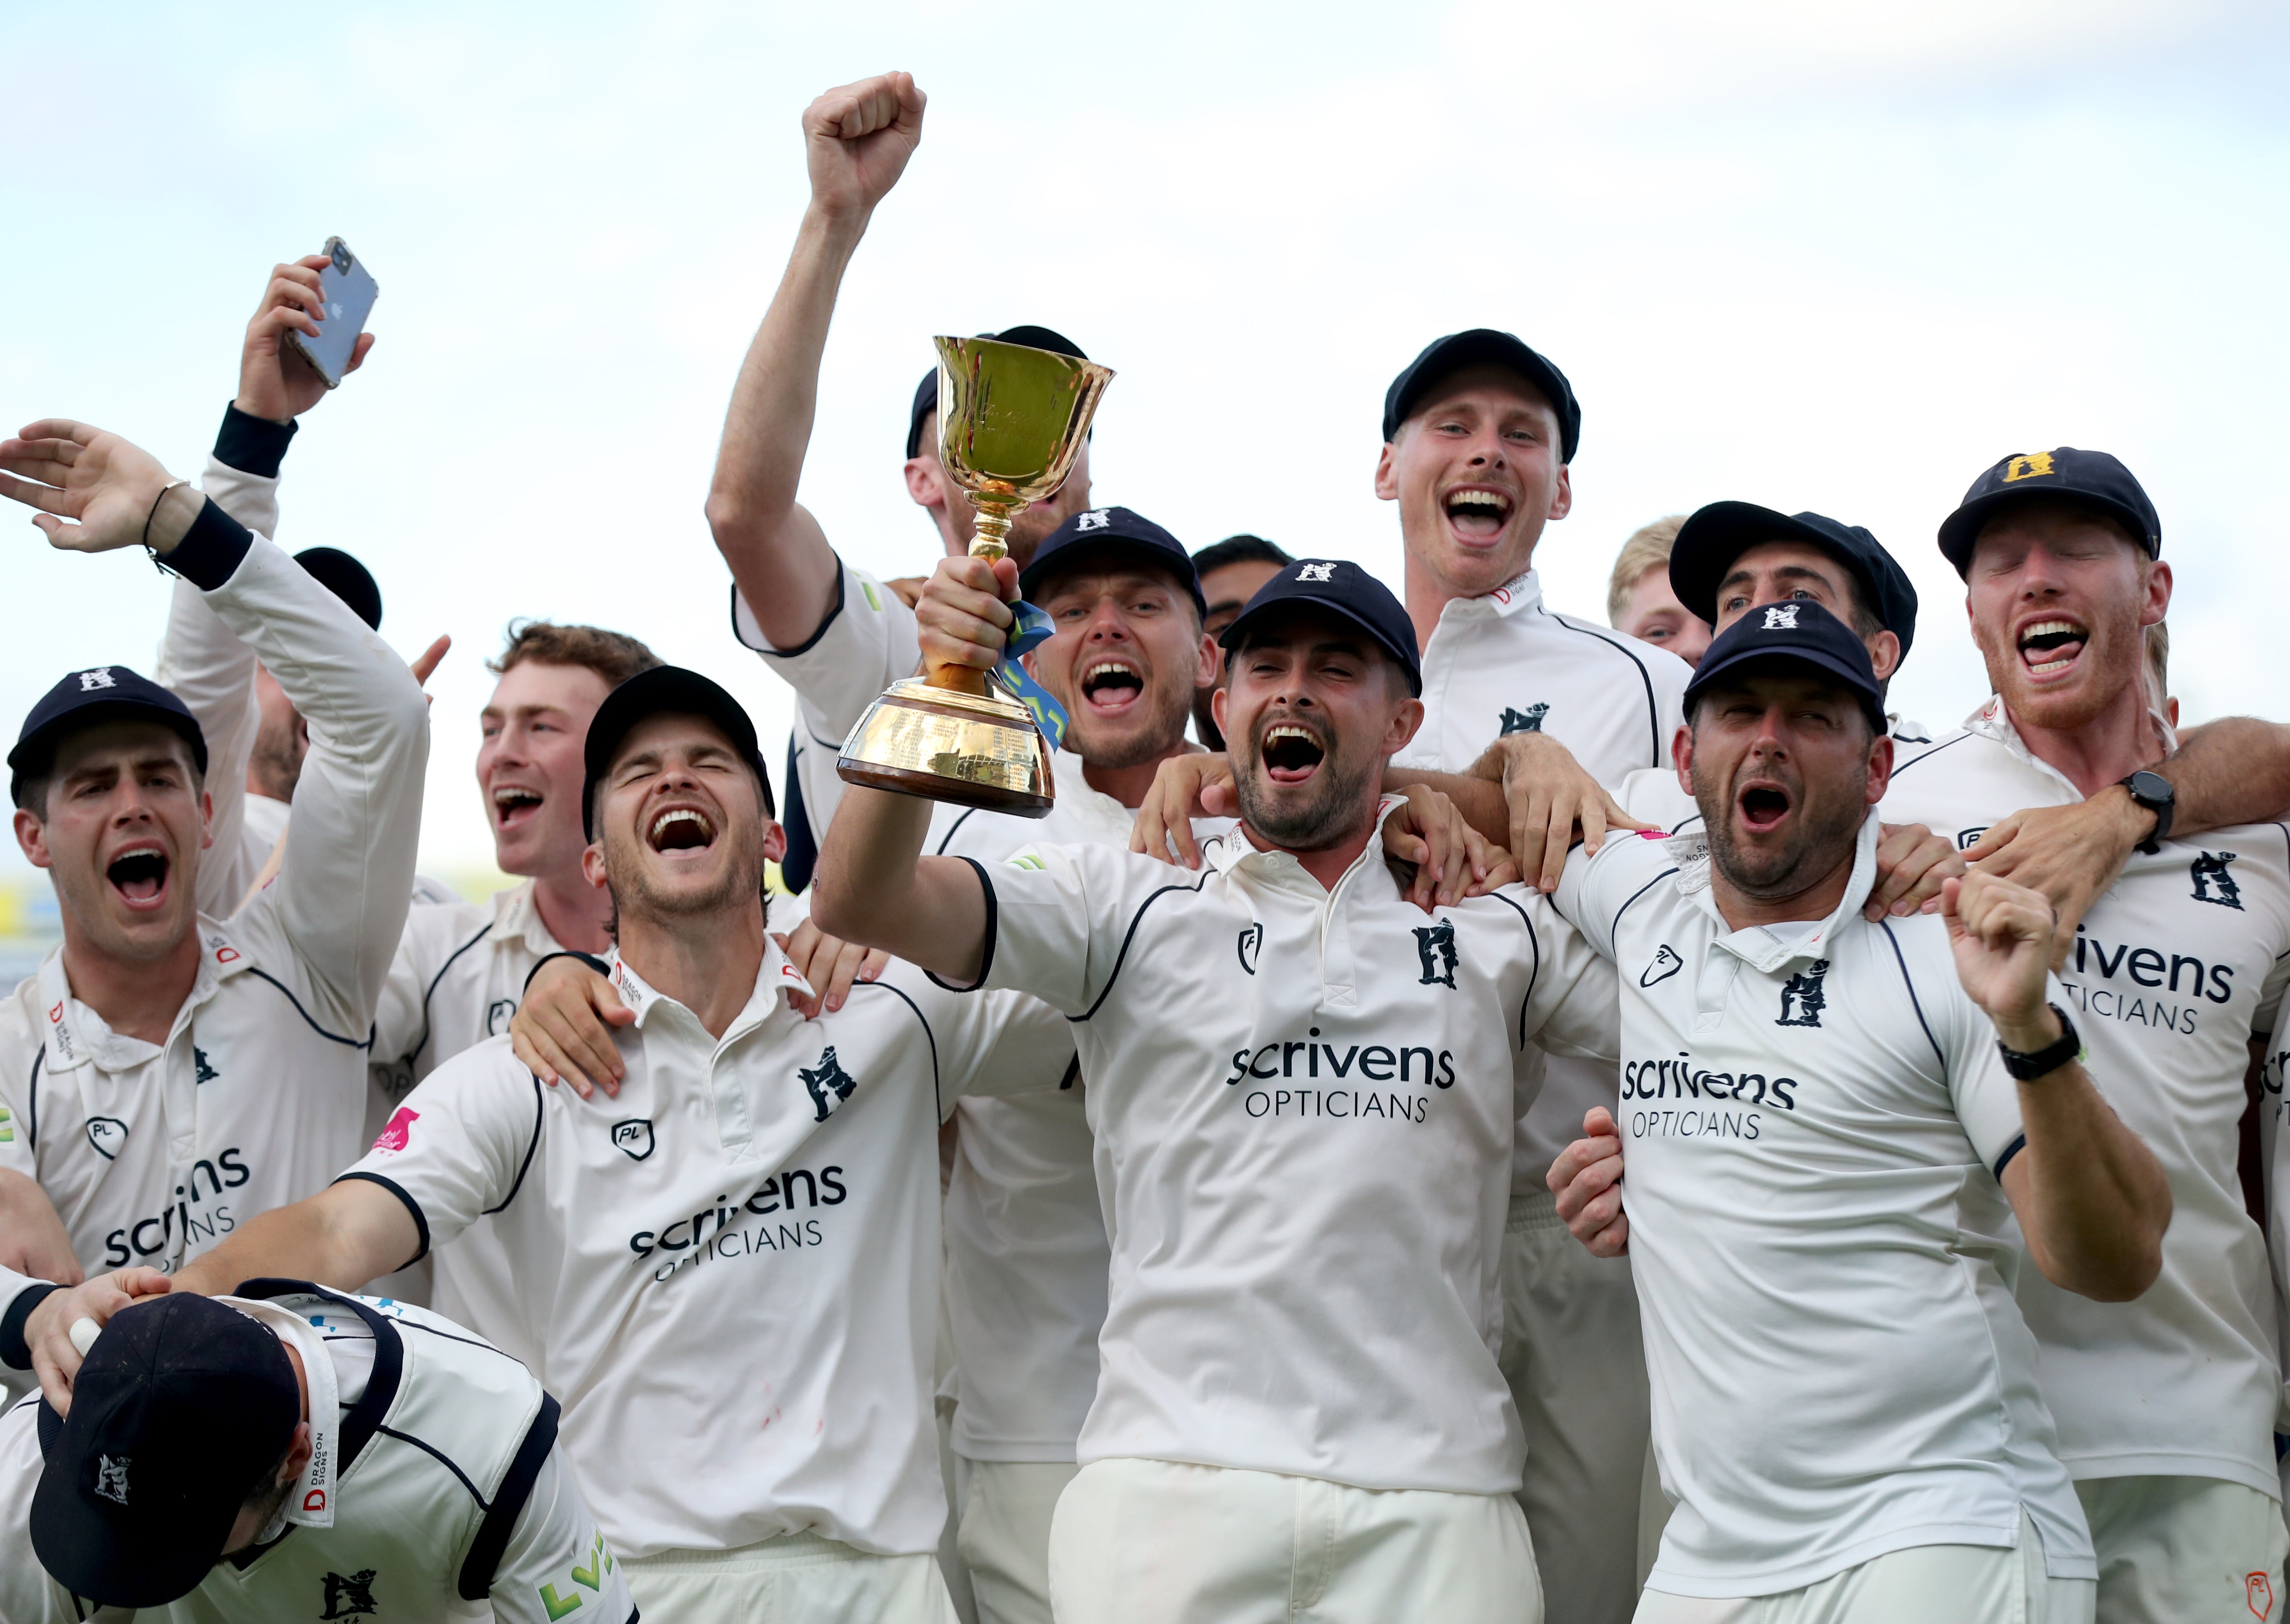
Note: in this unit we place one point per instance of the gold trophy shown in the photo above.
(1010, 421)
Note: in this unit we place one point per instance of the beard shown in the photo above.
(1144, 741)
(2113, 658)
(1329, 809)
(1820, 832)
(636, 893)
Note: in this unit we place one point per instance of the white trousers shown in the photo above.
(1004, 1508)
(1924, 1584)
(1575, 1360)
(2187, 1550)
(1155, 1542)
(796, 1579)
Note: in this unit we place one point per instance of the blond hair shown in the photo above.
(1647, 550)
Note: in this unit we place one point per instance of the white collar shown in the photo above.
(1515, 596)
(1993, 722)
(311, 1502)
(517, 917)
(77, 1034)
(774, 976)
(1755, 946)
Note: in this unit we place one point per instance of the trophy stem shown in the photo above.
(991, 537)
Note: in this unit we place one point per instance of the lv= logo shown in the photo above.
(591, 1578)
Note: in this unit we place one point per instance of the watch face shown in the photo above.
(2146, 786)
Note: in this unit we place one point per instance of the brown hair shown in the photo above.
(614, 656)
(1647, 550)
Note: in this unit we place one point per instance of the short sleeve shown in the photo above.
(1594, 891)
(1575, 1006)
(460, 1143)
(869, 640)
(1651, 794)
(1053, 918)
(1014, 1044)
(1987, 1099)
(556, 1559)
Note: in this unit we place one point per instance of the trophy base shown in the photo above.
(941, 744)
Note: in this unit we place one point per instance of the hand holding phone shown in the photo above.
(307, 333)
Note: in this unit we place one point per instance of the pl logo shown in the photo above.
(632, 1136)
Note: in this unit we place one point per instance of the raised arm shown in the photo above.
(858, 139)
(875, 886)
(2092, 1201)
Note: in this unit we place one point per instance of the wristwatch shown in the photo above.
(2153, 791)
(2050, 1058)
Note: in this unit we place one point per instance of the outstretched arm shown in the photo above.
(2236, 769)
(350, 1232)
(875, 886)
(2093, 1202)
(858, 139)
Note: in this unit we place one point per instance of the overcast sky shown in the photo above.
(1798, 253)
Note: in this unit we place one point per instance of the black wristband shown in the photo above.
(589, 959)
(252, 445)
(211, 550)
(2044, 1061)
(14, 1352)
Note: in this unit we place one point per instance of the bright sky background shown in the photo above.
(1803, 253)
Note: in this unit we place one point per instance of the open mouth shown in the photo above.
(1763, 807)
(139, 876)
(513, 805)
(681, 828)
(2049, 648)
(1477, 513)
(1290, 754)
(1112, 686)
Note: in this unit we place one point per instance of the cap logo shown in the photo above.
(1781, 617)
(111, 1478)
(101, 678)
(1324, 573)
(2030, 467)
(1096, 518)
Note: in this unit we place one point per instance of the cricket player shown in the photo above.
(1301, 1090)
(731, 1266)
(2170, 972)
(295, 1454)
(1826, 1127)
(168, 1073)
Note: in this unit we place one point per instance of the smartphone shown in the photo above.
(350, 293)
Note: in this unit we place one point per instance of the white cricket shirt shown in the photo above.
(151, 1153)
(1504, 664)
(1026, 1254)
(732, 1267)
(449, 1490)
(1302, 1102)
(458, 977)
(1813, 1121)
(2173, 972)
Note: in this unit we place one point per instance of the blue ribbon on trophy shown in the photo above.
(1030, 631)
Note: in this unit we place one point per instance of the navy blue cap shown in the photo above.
(347, 579)
(182, 1405)
(1343, 589)
(1709, 541)
(926, 391)
(1458, 350)
(2090, 477)
(101, 693)
(1085, 536)
(1799, 630)
(664, 691)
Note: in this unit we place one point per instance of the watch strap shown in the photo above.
(2164, 806)
(2026, 1068)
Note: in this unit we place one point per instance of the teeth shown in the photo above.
(681, 814)
(1476, 499)
(1104, 667)
(2049, 628)
(1287, 731)
(512, 797)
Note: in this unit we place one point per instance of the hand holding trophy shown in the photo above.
(1010, 422)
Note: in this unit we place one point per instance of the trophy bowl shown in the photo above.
(1010, 421)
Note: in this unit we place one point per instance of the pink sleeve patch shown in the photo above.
(1653, 833)
(400, 1124)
